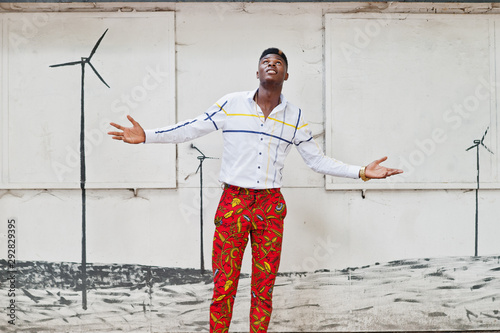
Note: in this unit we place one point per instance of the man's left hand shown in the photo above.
(375, 170)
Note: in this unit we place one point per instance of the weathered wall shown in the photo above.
(217, 48)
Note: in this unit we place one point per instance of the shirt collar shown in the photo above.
(280, 107)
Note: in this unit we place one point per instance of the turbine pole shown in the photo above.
(477, 143)
(83, 61)
(202, 260)
(477, 203)
(201, 158)
(82, 186)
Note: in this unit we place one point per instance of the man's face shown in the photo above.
(272, 68)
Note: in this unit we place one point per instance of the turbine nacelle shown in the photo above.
(480, 142)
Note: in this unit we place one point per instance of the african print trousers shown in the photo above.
(243, 213)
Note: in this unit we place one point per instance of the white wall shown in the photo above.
(217, 49)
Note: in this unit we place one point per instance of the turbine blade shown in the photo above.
(485, 134)
(96, 46)
(68, 64)
(96, 73)
(193, 146)
(470, 148)
(488, 149)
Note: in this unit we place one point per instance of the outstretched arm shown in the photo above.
(375, 170)
(134, 134)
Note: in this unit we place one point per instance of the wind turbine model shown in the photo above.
(82, 63)
(201, 158)
(476, 145)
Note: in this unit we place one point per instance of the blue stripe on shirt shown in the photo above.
(277, 149)
(296, 127)
(304, 141)
(173, 129)
(210, 116)
(297, 124)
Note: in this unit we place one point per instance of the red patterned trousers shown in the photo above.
(243, 213)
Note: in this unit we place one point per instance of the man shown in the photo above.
(259, 128)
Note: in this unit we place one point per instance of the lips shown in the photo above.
(271, 71)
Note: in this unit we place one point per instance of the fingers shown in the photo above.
(121, 135)
(375, 164)
(392, 172)
(380, 160)
(117, 126)
(116, 135)
(132, 120)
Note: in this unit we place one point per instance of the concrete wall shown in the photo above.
(380, 259)
(217, 47)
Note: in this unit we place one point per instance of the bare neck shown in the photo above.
(267, 99)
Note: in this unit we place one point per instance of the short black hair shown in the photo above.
(274, 50)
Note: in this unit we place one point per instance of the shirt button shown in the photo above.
(258, 182)
(260, 153)
(261, 139)
(258, 167)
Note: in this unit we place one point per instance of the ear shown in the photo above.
(286, 76)
(257, 74)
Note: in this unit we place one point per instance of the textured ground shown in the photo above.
(447, 294)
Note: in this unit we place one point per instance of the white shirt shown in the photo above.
(254, 147)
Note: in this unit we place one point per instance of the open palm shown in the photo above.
(134, 134)
(375, 170)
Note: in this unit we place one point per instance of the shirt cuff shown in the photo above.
(151, 136)
(354, 171)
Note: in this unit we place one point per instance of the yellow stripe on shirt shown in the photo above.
(254, 115)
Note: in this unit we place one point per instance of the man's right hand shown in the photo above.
(134, 134)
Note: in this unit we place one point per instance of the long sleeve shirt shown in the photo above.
(255, 148)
